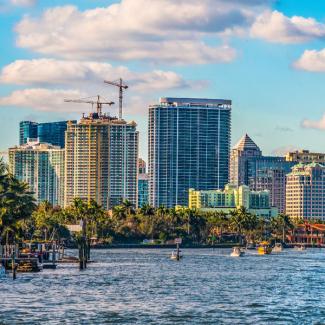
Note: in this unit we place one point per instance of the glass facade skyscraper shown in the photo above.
(27, 130)
(50, 132)
(189, 145)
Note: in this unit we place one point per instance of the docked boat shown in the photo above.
(264, 248)
(300, 247)
(250, 246)
(278, 248)
(237, 252)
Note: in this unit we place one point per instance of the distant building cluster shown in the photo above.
(190, 163)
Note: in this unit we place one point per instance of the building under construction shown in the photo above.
(101, 160)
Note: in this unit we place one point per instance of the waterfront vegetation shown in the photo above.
(22, 219)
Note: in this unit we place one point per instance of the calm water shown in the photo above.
(145, 287)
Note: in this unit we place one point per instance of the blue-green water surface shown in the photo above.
(143, 286)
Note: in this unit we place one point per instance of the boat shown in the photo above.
(300, 247)
(250, 246)
(278, 247)
(176, 256)
(264, 248)
(237, 252)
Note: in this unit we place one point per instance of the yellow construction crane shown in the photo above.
(98, 103)
(118, 83)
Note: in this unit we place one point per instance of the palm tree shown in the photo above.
(16, 203)
(128, 207)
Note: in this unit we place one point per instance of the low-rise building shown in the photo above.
(232, 197)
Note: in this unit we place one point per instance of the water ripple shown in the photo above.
(145, 287)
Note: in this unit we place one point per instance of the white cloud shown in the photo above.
(310, 124)
(45, 100)
(45, 72)
(23, 3)
(311, 60)
(273, 26)
(160, 30)
(87, 78)
(283, 150)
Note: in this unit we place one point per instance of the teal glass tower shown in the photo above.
(189, 146)
(49, 132)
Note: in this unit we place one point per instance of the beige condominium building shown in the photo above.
(101, 160)
(305, 191)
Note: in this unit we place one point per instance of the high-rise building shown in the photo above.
(51, 132)
(305, 191)
(189, 144)
(142, 166)
(143, 190)
(143, 184)
(249, 167)
(305, 156)
(244, 150)
(27, 131)
(101, 160)
(41, 166)
(232, 197)
(273, 180)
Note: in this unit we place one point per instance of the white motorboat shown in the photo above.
(278, 248)
(176, 256)
(237, 252)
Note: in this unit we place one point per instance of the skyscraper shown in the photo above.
(143, 184)
(306, 191)
(50, 132)
(27, 131)
(41, 166)
(189, 144)
(101, 160)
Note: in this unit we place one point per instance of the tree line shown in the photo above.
(22, 219)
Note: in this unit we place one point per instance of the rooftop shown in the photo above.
(36, 145)
(246, 143)
(194, 101)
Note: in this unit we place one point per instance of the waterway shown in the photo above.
(143, 286)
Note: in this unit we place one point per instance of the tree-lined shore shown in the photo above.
(22, 219)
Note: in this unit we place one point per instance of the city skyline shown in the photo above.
(275, 46)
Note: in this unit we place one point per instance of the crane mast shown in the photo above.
(119, 83)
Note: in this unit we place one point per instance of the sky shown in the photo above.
(267, 56)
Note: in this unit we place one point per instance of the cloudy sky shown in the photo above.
(267, 56)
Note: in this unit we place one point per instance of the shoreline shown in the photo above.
(146, 246)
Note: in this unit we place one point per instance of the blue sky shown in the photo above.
(267, 56)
